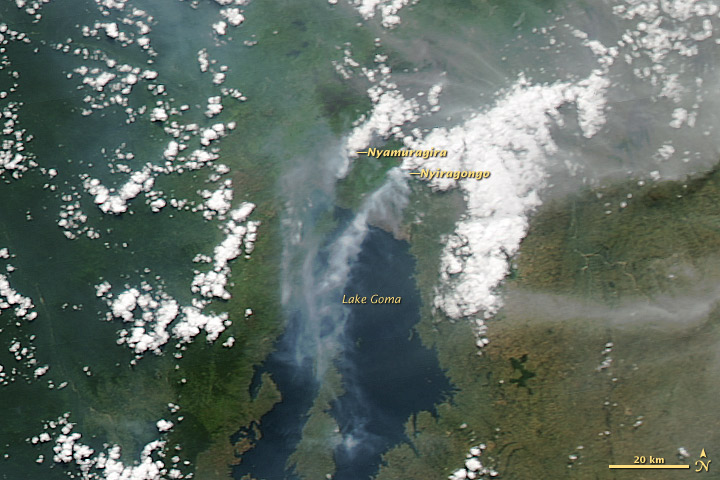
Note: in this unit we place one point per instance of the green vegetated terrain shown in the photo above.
(283, 119)
(314, 454)
(216, 400)
(366, 175)
(605, 349)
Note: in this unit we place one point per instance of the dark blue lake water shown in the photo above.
(388, 374)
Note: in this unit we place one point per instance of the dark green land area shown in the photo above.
(297, 106)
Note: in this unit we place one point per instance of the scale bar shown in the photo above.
(649, 466)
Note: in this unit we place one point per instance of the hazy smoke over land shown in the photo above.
(557, 102)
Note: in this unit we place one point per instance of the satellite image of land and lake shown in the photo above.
(359, 239)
